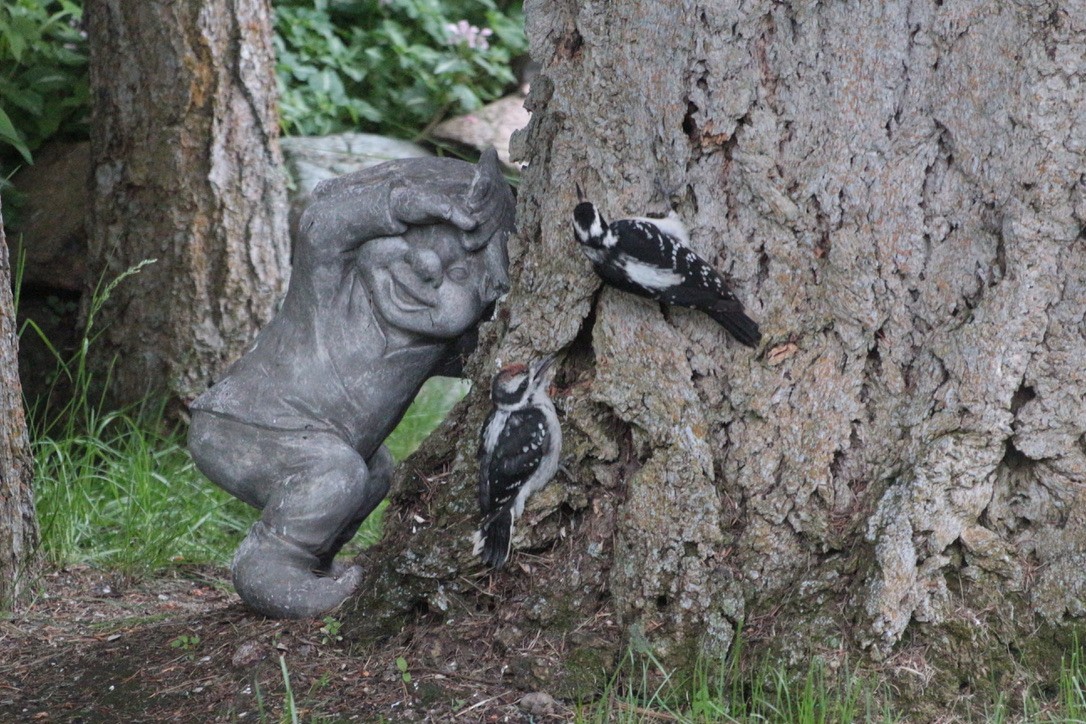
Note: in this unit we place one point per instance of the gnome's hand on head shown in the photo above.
(420, 206)
(386, 200)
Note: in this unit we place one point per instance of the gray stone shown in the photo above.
(538, 703)
(489, 127)
(393, 268)
(311, 160)
(249, 653)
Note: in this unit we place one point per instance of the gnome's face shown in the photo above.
(436, 280)
(426, 282)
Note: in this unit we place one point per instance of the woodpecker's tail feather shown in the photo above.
(494, 539)
(729, 314)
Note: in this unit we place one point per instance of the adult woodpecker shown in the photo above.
(650, 258)
(519, 449)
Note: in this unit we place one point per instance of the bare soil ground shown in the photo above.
(96, 647)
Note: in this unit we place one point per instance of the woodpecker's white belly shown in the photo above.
(494, 430)
(649, 276)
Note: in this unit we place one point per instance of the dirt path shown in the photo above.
(95, 647)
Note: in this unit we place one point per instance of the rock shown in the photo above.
(50, 224)
(248, 653)
(538, 703)
(310, 160)
(489, 127)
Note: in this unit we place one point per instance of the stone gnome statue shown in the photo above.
(394, 266)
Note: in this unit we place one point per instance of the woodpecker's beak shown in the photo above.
(540, 367)
(580, 193)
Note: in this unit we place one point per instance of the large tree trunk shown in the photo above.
(187, 171)
(897, 193)
(18, 523)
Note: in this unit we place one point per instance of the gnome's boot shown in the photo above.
(286, 567)
(277, 577)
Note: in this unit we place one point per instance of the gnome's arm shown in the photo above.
(344, 213)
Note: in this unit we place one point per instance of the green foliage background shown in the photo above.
(43, 74)
(387, 66)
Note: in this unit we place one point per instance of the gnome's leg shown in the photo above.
(315, 511)
(239, 458)
(380, 467)
(314, 491)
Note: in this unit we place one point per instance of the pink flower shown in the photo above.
(464, 32)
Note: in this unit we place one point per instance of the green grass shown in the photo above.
(641, 691)
(430, 407)
(122, 496)
(644, 691)
(1073, 685)
(115, 489)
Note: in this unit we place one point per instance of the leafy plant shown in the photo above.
(401, 665)
(187, 643)
(390, 65)
(330, 630)
(43, 74)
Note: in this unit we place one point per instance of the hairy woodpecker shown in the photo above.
(649, 258)
(519, 448)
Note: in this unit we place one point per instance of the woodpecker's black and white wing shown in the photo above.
(653, 257)
(506, 480)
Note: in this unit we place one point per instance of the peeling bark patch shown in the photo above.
(569, 47)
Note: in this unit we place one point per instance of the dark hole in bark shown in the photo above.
(1022, 395)
(1015, 459)
(690, 126)
(835, 464)
(571, 44)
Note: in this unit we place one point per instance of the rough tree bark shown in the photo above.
(18, 522)
(896, 191)
(186, 170)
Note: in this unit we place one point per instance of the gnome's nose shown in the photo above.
(427, 265)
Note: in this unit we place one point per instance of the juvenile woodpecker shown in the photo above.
(650, 258)
(519, 449)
